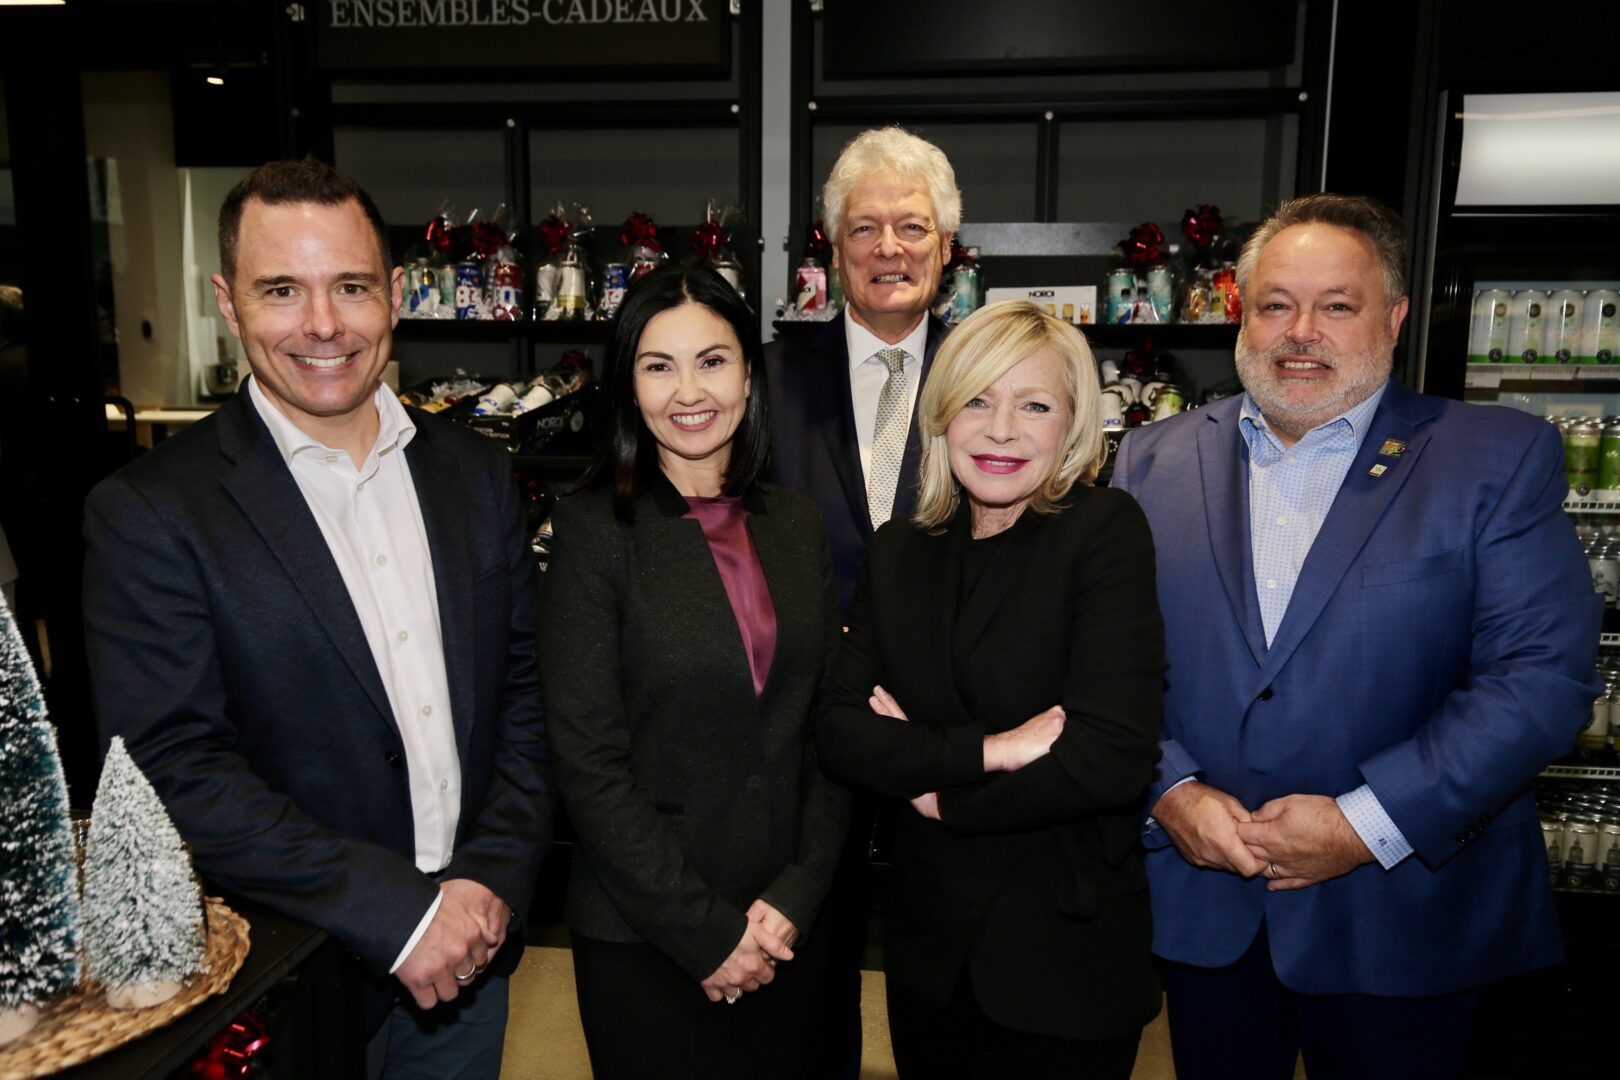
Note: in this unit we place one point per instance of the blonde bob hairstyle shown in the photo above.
(892, 150)
(981, 350)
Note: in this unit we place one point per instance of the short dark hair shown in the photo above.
(277, 183)
(626, 454)
(1364, 214)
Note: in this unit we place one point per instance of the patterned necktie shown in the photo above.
(888, 437)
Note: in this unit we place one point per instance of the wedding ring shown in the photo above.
(1271, 871)
(466, 977)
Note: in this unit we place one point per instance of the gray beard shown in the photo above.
(1292, 420)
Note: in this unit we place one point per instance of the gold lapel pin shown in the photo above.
(1378, 470)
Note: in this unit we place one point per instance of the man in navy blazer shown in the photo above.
(310, 617)
(892, 210)
(1380, 627)
(844, 432)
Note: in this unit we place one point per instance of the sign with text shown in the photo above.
(691, 37)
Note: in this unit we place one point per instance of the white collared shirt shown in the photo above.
(867, 374)
(372, 523)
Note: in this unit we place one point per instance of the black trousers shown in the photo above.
(960, 1042)
(644, 1017)
(1241, 1023)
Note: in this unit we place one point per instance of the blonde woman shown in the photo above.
(1002, 673)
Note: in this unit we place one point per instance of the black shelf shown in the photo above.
(572, 464)
(1165, 335)
(459, 331)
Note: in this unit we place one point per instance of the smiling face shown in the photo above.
(315, 308)
(692, 388)
(1318, 333)
(1006, 441)
(889, 254)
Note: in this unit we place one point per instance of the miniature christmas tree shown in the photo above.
(143, 923)
(39, 900)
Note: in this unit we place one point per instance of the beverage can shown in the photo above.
(1564, 328)
(506, 292)
(615, 280)
(964, 292)
(1607, 859)
(810, 286)
(1609, 457)
(1605, 567)
(1112, 406)
(1552, 834)
(1169, 401)
(1602, 329)
(495, 400)
(571, 286)
(1121, 294)
(1488, 332)
(1526, 327)
(469, 288)
(1161, 291)
(1582, 448)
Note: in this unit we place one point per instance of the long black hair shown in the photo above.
(626, 454)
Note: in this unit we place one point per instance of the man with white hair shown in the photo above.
(843, 417)
(844, 399)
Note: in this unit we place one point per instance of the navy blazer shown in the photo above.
(225, 650)
(1438, 647)
(814, 448)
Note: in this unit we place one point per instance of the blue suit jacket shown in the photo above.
(814, 449)
(1438, 647)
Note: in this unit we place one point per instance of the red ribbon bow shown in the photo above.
(639, 231)
(817, 244)
(554, 233)
(437, 235)
(1202, 225)
(487, 239)
(1142, 246)
(707, 239)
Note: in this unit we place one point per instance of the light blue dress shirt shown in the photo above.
(1291, 490)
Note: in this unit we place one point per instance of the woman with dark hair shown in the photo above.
(687, 617)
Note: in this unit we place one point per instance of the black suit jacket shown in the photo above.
(225, 650)
(814, 448)
(1034, 879)
(691, 796)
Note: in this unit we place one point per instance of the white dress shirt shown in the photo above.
(372, 523)
(867, 374)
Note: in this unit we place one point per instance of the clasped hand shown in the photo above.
(1005, 751)
(767, 939)
(1296, 841)
(466, 932)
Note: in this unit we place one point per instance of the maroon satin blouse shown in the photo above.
(725, 526)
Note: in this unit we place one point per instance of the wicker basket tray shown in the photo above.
(82, 1025)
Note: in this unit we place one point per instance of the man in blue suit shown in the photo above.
(1380, 627)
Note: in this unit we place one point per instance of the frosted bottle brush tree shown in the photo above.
(143, 925)
(39, 902)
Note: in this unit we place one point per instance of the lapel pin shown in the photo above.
(1392, 448)
(1378, 470)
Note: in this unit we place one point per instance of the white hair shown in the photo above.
(892, 150)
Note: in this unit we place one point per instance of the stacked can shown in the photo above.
(1583, 450)
(1488, 333)
(1600, 340)
(1580, 826)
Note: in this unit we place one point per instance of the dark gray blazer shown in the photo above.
(224, 648)
(690, 796)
